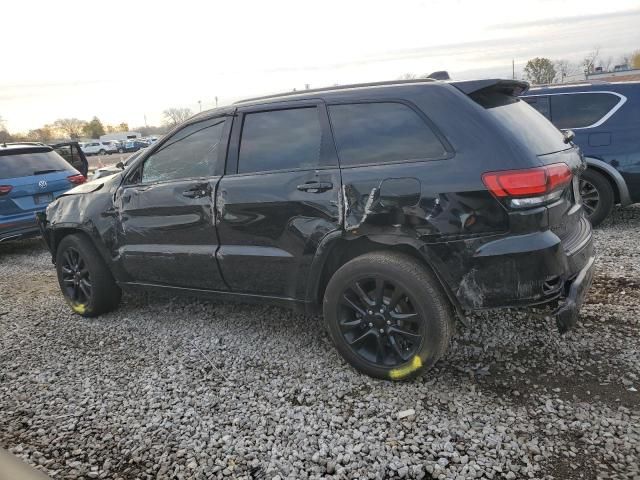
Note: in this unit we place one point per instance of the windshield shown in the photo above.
(523, 121)
(32, 163)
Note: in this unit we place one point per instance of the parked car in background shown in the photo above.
(131, 146)
(99, 148)
(31, 177)
(117, 168)
(382, 205)
(605, 118)
(73, 154)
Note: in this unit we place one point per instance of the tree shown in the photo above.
(2, 124)
(564, 69)
(175, 116)
(540, 71)
(93, 129)
(43, 134)
(590, 60)
(71, 127)
(606, 64)
(635, 59)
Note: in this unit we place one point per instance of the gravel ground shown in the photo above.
(172, 388)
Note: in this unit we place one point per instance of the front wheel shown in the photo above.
(597, 196)
(102, 152)
(85, 280)
(388, 315)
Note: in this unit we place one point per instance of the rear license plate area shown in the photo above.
(43, 198)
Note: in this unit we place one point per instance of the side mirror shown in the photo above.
(120, 165)
(569, 135)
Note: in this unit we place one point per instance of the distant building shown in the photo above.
(120, 136)
(617, 75)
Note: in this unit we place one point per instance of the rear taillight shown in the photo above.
(530, 187)
(4, 189)
(77, 179)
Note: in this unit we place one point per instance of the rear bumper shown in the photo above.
(528, 270)
(18, 230)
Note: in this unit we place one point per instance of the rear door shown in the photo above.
(278, 199)
(167, 233)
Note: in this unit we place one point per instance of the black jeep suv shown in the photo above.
(392, 207)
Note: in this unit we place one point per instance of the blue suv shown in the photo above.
(605, 118)
(31, 177)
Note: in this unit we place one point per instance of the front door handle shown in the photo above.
(315, 187)
(195, 193)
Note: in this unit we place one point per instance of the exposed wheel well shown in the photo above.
(60, 233)
(346, 250)
(614, 186)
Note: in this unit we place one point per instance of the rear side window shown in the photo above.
(35, 163)
(373, 133)
(280, 140)
(581, 109)
(189, 153)
(541, 104)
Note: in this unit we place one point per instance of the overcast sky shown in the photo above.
(122, 60)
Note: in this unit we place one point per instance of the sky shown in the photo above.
(127, 61)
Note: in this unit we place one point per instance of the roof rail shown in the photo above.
(338, 87)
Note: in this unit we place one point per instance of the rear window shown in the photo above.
(32, 163)
(374, 133)
(580, 110)
(522, 121)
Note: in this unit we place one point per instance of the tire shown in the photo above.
(92, 290)
(102, 152)
(597, 196)
(121, 150)
(412, 301)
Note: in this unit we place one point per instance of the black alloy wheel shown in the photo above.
(388, 315)
(379, 322)
(76, 278)
(597, 195)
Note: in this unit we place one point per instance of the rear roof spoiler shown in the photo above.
(509, 87)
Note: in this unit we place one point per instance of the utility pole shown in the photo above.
(200, 104)
(513, 68)
(216, 102)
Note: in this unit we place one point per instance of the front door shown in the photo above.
(278, 198)
(167, 233)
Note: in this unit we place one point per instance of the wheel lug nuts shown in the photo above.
(370, 324)
(382, 310)
(381, 330)
(388, 322)
(370, 312)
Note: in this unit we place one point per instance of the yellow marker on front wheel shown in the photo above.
(398, 373)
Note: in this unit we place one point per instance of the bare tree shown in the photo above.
(71, 127)
(564, 69)
(42, 134)
(606, 64)
(590, 60)
(175, 116)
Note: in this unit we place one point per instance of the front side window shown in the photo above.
(280, 140)
(187, 154)
(581, 109)
(369, 133)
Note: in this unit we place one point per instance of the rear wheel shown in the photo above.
(597, 196)
(85, 280)
(102, 152)
(387, 315)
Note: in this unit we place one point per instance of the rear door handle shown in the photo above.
(315, 187)
(195, 193)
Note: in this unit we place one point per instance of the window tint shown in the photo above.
(188, 153)
(580, 109)
(31, 163)
(368, 133)
(280, 140)
(541, 104)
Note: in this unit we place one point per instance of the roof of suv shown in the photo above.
(23, 147)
